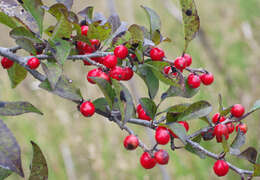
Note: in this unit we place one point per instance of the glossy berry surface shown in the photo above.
(180, 63)
(207, 78)
(221, 168)
(97, 73)
(87, 108)
(143, 115)
(221, 130)
(121, 52)
(147, 161)
(84, 30)
(184, 124)
(157, 54)
(237, 110)
(193, 81)
(131, 142)
(128, 73)
(162, 135)
(167, 70)
(230, 127)
(33, 63)
(95, 43)
(188, 60)
(242, 127)
(117, 73)
(110, 61)
(217, 119)
(161, 156)
(6, 63)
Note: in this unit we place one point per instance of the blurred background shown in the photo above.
(79, 148)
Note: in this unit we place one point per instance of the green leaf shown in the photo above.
(67, 3)
(97, 31)
(225, 111)
(61, 50)
(220, 102)
(27, 45)
(63, 29)
(239, 141)
(17, 108)
(225, 144)
(64, 88)
(115, 22)
(179, 131)
(39, 168)
(8, 21)
(256, 170)
(156, 37)
(129, 105)
(87, 12)
(137, 34)
(157, 67)
(106, 88)
(154, 20)
(53, 72)
(10, 153)
(16, 74)
(21, 32)
(4, 173)
(189, 147)
(186, 92)
(150, 80)
(122, 38)
(191, 20)
(174, 112)
(118, 90)
(36, 10)
(59, 11)
(249, 154)
(256, 106)
(196, 110)
(101, 106)
(149, 107)
(139, 52)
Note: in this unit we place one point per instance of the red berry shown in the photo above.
(87, 108)
(167, 70)
(188, 59)
(217, 119)
(128, 73)
(162, 135)
(121, 51)
(131, 142)
(157, 54)
(97, 73)
(193, 81)
(95, 43)
(133, 56)
(85, 48)
(138, 108)
(33, 63)
(147, 161)
(180, 63)
(117, 73)
(230, 127)
(6, 63)
(237, 110)
(84, 30)
(184, 124)
(207, 78)
(110, 61)
(143, 115)
(207, 136)
(161, 156)
(221, 168)
(242, 127)
(221, 130)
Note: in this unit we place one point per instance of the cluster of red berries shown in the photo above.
(32, 63)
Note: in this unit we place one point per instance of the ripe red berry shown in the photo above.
(157, 54)
(131, 142)
(221, 130)
(180, 63)
(242, 127)
(217, 119)
(84, 30)
(230, 127)
(161, 156)
(237, 110)
(162, 135)
(110, 61)
(97, 73)
(221, 168)
(147, 161)
(143, 115)
(128, 73)
(6, 63)
(167, 70)
(207, 78)
(184, 124)
(121, 51)
(95, 43)
(117, 73)
(138, 108)
(84, 48)
(87, 108)
(188, 59)
(193, 81)
(33, 63)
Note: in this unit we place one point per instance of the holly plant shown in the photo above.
(116, 52)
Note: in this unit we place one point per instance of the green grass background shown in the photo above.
(95, 143)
